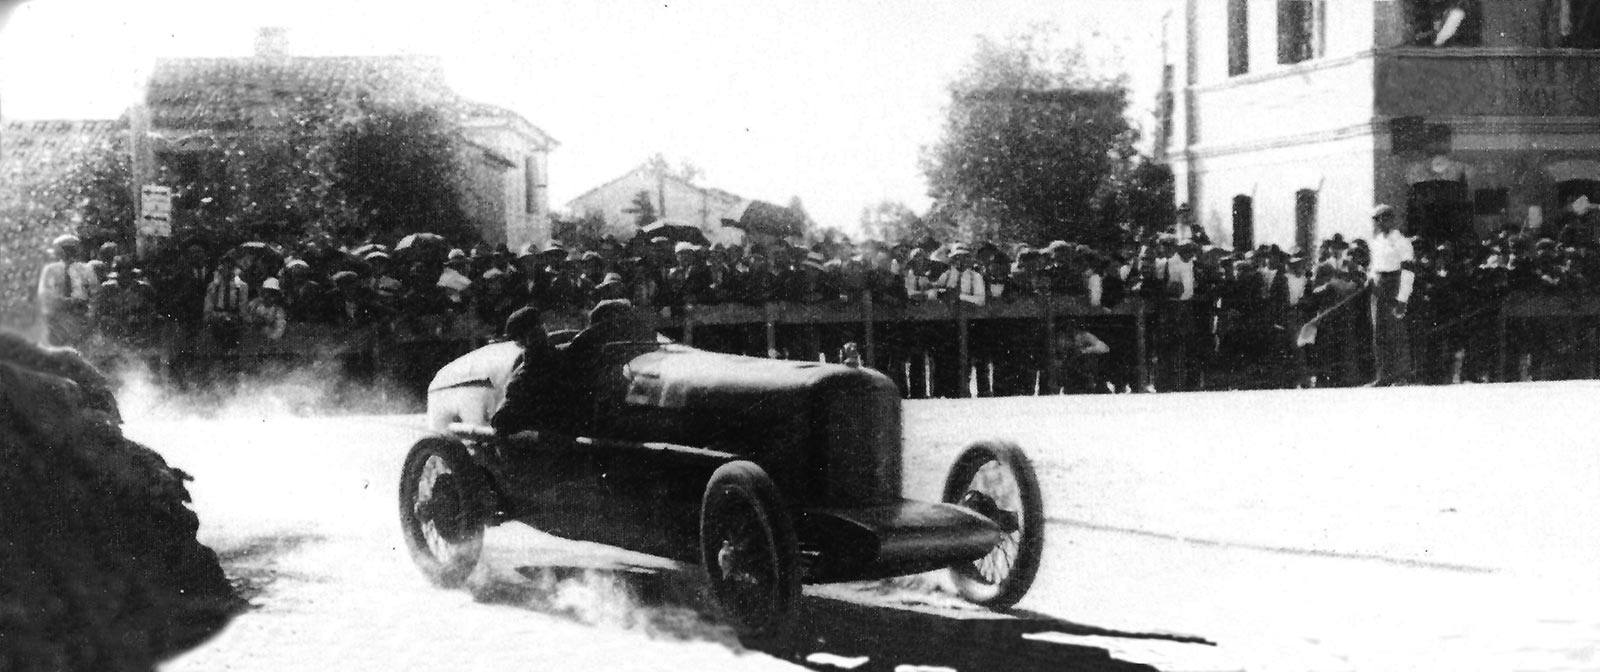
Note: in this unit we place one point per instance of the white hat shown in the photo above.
(272, 284)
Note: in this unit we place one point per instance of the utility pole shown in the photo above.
(142, 169)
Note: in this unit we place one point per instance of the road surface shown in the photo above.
(1404, 529)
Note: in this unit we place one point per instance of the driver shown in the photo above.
(532, 390)
(552, 387)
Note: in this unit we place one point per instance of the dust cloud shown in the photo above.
(317, 388)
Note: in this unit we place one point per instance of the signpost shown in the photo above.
(155, 211)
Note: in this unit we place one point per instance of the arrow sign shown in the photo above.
(155, 210)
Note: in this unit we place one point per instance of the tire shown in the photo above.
(441, 510)
(749, 550)
(996, 479)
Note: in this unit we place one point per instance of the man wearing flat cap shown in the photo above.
(1392, 272)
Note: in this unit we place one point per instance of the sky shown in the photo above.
(828, 100)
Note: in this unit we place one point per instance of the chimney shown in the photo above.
(272, 42)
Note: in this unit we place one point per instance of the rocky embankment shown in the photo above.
(99, 566)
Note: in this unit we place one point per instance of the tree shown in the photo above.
(895, 222)
(372, 170)
(642, 208)
(1139, 196)
(400, 167)
(94, 197)
(808, 224)
(1030, 140)
(686, 171)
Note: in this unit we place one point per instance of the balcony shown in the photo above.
(1487, 82)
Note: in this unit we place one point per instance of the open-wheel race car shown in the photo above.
(765, 473)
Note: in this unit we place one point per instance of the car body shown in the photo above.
(659, 421)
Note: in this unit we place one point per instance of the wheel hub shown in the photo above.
(446, 509)
(985, 506)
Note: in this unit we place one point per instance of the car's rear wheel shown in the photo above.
(441, 514)
(995, 479)
(749, 550)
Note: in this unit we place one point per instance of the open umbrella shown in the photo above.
(259, 250)
(674, 232)
(764, 217)
(369, 248)
(422, 247)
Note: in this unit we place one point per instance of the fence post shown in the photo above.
(964, 361)
(772, 330)
(1047, 307)
(868, 349)
(1500, 343)
(688, 325)
(1141, 338)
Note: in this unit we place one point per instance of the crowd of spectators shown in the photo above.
(1219, 318)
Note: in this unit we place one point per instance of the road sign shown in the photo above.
(155, 210)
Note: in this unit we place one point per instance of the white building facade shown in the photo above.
(672, 197)
(1290, 119)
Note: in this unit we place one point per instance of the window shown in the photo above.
(1238, 38)
(1300, 35)
(1445, 23)
(1244, 223)
(1414, 135)
(1305, 219)
(1578, 25)
(532, 182)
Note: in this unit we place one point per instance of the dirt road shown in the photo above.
(1256, 531)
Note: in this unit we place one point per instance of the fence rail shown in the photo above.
(306, 340)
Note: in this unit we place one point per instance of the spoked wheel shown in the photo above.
(440, 511)
(996, 480)
(749, 550)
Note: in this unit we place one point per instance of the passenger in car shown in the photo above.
(532, 396)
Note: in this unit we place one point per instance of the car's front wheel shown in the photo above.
(749, 549)
(995, 479)
(441, 515)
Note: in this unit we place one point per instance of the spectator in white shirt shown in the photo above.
(65, 287)
(266, 312)
(1392, 273)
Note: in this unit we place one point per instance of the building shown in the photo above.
(1288, 119)
(192, 102)
(672, 197)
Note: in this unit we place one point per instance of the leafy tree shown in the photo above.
(1031, 139)
(94, 195)
(377, 170)
(400, 166)
(895, 222)
(1139, 196)
(686, 171)
(643, 209)
(808, 224)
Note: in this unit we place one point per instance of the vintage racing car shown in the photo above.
(766, 473)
